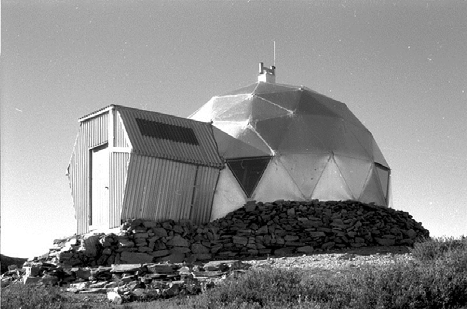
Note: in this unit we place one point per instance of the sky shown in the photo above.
(399, 66)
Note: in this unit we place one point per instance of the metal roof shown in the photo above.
(165, 136)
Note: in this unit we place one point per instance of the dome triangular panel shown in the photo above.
(238, 112)
(276, 184)
(309, 105)
(338, 108)
(300, 137)
(222, 104)
(232, 128)
(378, 156)
(273, 130)
(250, 137)
(331, 185)
(355, 173)
(305, 170)
(372, 191)
(230, 147)
(287, 99)
(383, 175)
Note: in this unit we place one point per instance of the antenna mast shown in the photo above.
(274, 53)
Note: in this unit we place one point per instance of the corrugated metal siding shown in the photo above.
(160, 189)
(72, 172)
(92, 133)
(96, 131)
(120, 138)
(203, 154)
(118, 173)
(206, 182)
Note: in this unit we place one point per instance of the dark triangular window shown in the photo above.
(248, 172)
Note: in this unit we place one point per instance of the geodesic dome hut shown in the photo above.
(290, 142)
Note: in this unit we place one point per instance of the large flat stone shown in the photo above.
(316, 234)
(160, 253)
(283, 251)
(385, 241)
(179, 250)
(199, 248)
(202, 256)
(135, 257)
(159, 231)
(173, 258)
(121, 268)
(240, 240)
(161, 268)
(305, 249)
(178, 241)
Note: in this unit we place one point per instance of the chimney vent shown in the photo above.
(267, 75)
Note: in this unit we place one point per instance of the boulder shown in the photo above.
(89, 244)
(114, 297)
(82, 272)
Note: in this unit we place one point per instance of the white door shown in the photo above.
(99, 188)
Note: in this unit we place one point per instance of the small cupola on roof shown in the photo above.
(267, 75)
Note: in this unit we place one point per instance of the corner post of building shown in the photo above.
(111, 129)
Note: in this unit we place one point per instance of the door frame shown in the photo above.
(91, 164)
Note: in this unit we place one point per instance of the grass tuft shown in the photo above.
(437, 248)
(22, 296)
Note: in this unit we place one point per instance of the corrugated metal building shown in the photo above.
(129, 163)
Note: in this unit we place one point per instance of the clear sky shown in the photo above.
(400, 66)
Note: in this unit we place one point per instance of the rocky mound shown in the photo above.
(257, 229)
(138, 253)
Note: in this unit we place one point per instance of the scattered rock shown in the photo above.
(114, 297)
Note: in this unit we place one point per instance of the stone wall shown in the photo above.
(257, 229)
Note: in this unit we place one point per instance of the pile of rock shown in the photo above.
(128, 282)
(257, 229)
(146, 259)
